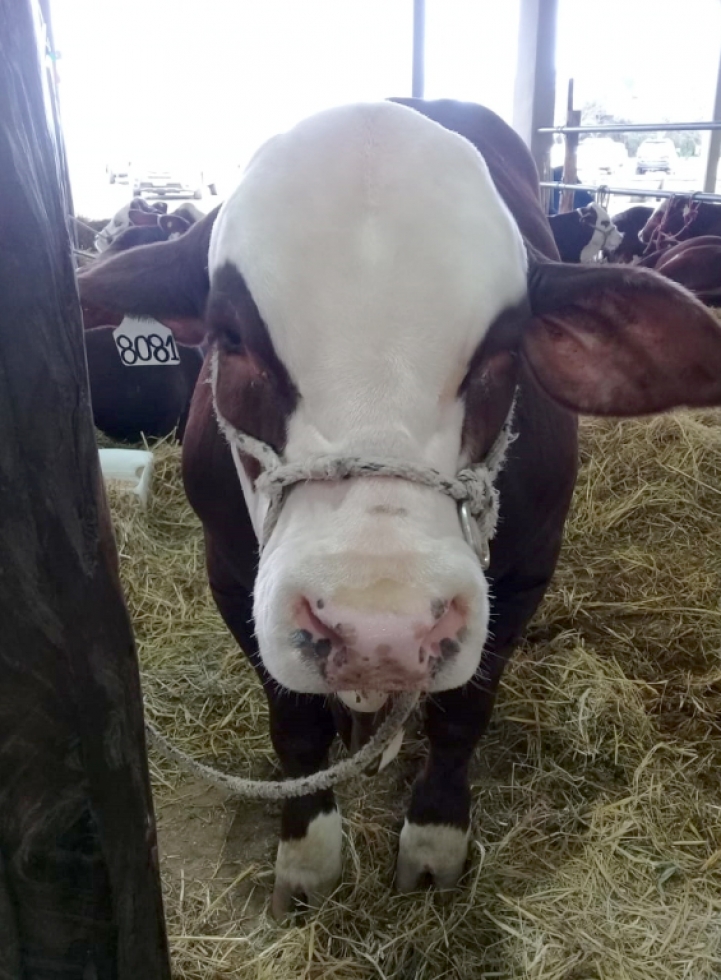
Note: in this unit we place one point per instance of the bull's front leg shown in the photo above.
(308, 864)
(434, 839)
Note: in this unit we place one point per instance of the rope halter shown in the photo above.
(477, 499)
(472, 488)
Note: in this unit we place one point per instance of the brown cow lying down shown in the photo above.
(382, 286)
(679, 218)
(132, 397)
(695, 264)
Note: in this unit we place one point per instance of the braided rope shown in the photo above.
(472, 484)
(259, 789)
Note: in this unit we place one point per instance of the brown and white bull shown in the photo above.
(380, 285)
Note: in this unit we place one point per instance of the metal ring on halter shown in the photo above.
(472, 534)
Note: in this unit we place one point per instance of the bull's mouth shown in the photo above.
(364, 701)
(359, 714)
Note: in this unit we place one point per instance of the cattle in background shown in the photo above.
(682, 239)
(694, 263)
(86, 231)
(382, 286)
(679, 218)
(130, 403)
(629, 224)
(189, 212)
(137, 213)
(582, 235)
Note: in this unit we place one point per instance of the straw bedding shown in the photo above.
(596, 849)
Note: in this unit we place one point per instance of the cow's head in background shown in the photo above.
(137, 214)
(584, 235)
(369, 294)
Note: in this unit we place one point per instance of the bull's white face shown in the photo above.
(378, 253)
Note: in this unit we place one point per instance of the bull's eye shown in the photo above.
(227, 335)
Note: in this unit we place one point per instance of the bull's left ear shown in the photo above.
(614, 340)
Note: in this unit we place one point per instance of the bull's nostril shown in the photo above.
(301, 638)
(314, 636)
(438, 608)
(449, 647)
(322, 647)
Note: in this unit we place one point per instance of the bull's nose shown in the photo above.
(379, 651)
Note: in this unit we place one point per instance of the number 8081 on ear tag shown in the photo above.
(145, 343)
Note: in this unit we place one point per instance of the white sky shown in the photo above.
(214, 78)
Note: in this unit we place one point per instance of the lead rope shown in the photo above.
(477, 498)
(260, 789)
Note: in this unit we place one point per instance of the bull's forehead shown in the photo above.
(376, 248)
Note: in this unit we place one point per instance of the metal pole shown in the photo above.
(535, 91)
(714, 143)
(419, 48)
(635, 127)
(631, 191)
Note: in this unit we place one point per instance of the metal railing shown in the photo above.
(630, 191)
(633, 128)
(637, 192)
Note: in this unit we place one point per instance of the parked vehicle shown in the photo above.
(601, 155)
(118, 172)
(165, 182)
(656, 154)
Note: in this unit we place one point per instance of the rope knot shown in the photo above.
(478, 487)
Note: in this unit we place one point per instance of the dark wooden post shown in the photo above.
(79, 884)
(570, 161)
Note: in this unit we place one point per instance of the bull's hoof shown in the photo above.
(308, 868)
(430, 851)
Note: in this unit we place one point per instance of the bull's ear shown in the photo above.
(167, 281)
(173, 224)
(143, 219)
(620, 341)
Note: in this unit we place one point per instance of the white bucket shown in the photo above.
(132, 468)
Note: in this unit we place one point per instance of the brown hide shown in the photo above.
(695, 264)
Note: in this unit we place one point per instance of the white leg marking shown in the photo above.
(439, 849)
(309, 866)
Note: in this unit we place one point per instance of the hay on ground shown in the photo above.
(596, 849)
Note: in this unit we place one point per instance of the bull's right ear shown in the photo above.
(167, 281)
(618, 340)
